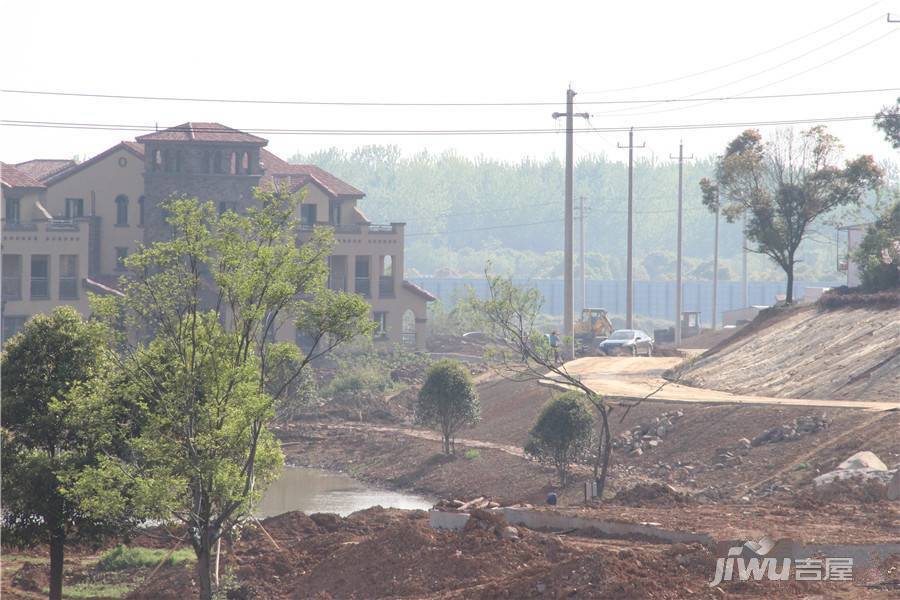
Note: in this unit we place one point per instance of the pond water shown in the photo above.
(314, 490)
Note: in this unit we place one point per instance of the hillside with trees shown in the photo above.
(461, 212)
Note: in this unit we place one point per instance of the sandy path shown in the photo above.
(425, 434)
(629, 377)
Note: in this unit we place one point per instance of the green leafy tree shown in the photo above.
(447, 401)
(878, 254)
(521, 352)
(204, 387)
(284, 360)
(563, 434)
(888, 121)
(52, 432)
(783, 187)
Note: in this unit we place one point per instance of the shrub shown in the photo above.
(564, 434)
(352, 381)
(128, 557)
(447, 401)
(472, 454)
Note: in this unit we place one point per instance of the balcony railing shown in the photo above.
(386, 286)
(357, 228)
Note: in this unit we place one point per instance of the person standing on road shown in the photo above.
(554, 345)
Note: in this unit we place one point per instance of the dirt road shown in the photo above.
(629, 377)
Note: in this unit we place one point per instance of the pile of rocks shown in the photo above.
(730, 457)
(649, 435)
(862, 466)
(791, 431)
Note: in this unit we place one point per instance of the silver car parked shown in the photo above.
(628, 342)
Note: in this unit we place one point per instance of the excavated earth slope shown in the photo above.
(842, 354)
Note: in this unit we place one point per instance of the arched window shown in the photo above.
(217, 162)
(121, 210)
(232, 164)
(157, 160)
(245, 163)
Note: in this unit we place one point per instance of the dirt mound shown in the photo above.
(847, 353)
(652, 494)
(845, 490)
(32, 577)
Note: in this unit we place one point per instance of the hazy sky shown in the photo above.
(438, 52)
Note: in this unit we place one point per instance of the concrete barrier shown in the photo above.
(447, 520)
(863, 555)
(540, 519)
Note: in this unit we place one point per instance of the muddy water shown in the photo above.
(313, 490)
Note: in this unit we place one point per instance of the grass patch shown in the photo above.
(78, 591)
(472, 454)
(125, 557)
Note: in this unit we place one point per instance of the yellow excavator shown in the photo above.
(592, 328)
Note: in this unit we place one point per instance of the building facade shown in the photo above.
(67, 227)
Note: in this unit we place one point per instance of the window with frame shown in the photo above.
(13, 210)
(121, 255)
(361, 284)
(74, 207)
(334, 212)
(141, 202)
(308, 214)
(381, 320)
(68, 277)
(12, 276)
(40, 277)
(121, 210)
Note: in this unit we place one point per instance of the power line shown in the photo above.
(781, 64)
(428, 132)
(435, 104)
(704, 102)
(738, 61)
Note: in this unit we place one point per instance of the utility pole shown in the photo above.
(582, 294)
(678, 290)
(715, 284)
(568, 249)
(745, 286)
(629, 284)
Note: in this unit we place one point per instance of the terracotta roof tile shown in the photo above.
(299, 175)
(201, 132)
(419, 291)
(13, 177)
(44, 168)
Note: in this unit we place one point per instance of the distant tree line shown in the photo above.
(458, 210)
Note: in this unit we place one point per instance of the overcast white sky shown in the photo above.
(436, 52)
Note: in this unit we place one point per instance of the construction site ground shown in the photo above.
(701, 476)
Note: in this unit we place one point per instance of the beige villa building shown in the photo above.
(67, 226)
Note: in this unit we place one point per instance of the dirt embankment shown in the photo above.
(847, 353)
(381, 553)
